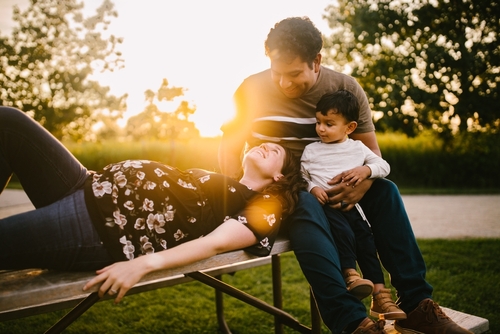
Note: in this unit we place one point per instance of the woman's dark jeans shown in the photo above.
(59, 234)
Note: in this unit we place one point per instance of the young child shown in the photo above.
(336, 118)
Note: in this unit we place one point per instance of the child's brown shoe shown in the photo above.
(382, 304)
(357, 286)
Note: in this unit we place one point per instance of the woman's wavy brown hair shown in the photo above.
(288, 187)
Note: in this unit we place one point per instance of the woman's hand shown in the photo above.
(119, 277)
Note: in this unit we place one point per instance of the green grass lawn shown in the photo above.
(465, 275)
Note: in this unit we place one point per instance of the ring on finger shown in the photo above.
(343, 204)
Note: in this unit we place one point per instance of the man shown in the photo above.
(279, 105)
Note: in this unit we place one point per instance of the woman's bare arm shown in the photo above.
(121, 276)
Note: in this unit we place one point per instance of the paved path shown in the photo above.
(432, 216)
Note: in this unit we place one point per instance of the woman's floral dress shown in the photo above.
(140, 207)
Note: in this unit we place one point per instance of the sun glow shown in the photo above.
(206, 47)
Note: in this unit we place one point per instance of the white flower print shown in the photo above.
(159, 172)
(265, 242)
(120, 219)
(101, 188)
(146, 245)
(110, 222)
(242, 219)
(140, 224)
(163, 243)
(179, 235)
(149, 185)
(186, 185)
(132, 163)
(147, 205)
(128, 192)
(114, 194)
(169, 215)
(231, 188)
(226, 218)
(140, 175)
(96, 177)
(114, 168)
(156, 222)
(205, 178)
(129, 205)
(202, 203)
(166, 184)
(191, 220)
(120, 179)
(271, 219)
(128, 248)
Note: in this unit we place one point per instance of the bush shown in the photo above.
(420, 164)
(424, 162)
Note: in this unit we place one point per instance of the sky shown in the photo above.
(207, 47)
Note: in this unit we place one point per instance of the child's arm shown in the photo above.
(320, 195)
(121, 276)
(356, 175)
(374, 167)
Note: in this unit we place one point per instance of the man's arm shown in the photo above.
(235, 134)
(369, 139)
(230, 150)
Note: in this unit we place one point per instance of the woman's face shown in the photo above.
(267, 159)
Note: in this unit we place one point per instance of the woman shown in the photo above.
(86, 220)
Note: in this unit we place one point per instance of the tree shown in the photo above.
(46, 63)
(154, 123)
(426, 64)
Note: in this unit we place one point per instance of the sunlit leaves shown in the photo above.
(443, 56)
(171, 125)
(47, 61)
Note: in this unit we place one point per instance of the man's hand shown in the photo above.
(342, 196)
(320, 195)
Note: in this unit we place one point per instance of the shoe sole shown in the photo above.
(361, 291)
(389, 315)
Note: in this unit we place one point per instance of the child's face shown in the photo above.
(332, 128)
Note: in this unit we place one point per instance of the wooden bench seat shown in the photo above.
(28, 292)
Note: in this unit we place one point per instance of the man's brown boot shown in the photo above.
(428, 318)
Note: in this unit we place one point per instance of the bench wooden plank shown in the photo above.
(476, 325)
(28, 292)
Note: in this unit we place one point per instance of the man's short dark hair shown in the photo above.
(292, 37)
(341, 102)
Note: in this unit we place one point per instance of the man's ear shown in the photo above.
(278, 177)
(317, 63)
(351, 127)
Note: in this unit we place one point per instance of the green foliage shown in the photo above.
(46, 62)
(421, 163)
(424, 161)
(425, 64)
(457, 269)
(183, 155)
